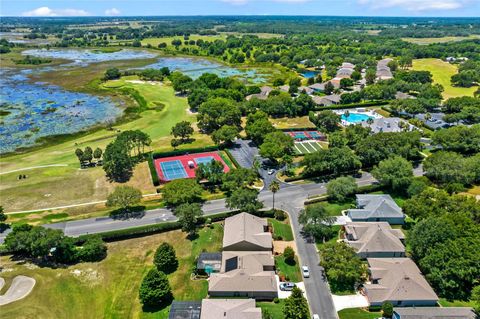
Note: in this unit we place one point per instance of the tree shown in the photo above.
(258, 126)
(337, 139)
(276, 145)
(370, 76)
(188, 217)
(331, 161)
(225, 134)
(387, 309)
(245, 200)
(217, 112)
(212, 172)
(328, 88)
(183, 130)
(476, 298)
(394, 172)
(165, 259)
(343, 267)
(87, 154)
(289, 255)
(111, 74)
(155, 289)
(345, 83)
(296, 306)
(117, 164)
(240, 177)
(93, 249)
(274, 187)
(316, 222)
(79, 154)
(341, 188)
(181, 191)
(97, 154)
(448, 167)
(3, 217)
(462, 139)
(180, 82)
(124, 197)
(327, 121)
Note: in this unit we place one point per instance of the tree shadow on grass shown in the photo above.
(162, 305)
(132, 212)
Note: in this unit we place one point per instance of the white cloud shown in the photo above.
(112, 12)
(47, 12)
(415, 5)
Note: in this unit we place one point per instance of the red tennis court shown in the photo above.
(183, 166)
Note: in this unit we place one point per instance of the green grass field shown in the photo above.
(442, 72)
(168, 40)
(303, 148)
(358, 314)
(282, 229)
(109, 289)
(275, 309)
(427, 41)
(58, 186)
(291, 272)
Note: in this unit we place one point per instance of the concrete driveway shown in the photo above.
(285, 294)
(350, 301)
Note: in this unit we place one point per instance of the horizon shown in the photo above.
(187, 8)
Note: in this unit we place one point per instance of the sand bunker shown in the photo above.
(20, 288)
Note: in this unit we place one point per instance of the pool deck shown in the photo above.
(362, 111)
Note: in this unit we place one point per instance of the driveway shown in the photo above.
(350, 301)
(285, 294)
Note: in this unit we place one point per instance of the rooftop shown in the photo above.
(230, 309)
(246, 228)
(367, 237)
(375, 206)
(435, 313)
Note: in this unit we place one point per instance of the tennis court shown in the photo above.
(306, 147)
(306, 135)
(183, 166)
(173, 170)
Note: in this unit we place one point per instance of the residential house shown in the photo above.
(263, 95)
(374, 240)
(245, 274)
(376, 208)
(347, 65)
(246, 232)
(326, 100)
(403, 96)
(434, 313)
(306, 89)
(284, 88)
(320, 87)
(185, 310)
(399, 281)
(383, 70)
(230, 309)
(208, 263)
(344, 73)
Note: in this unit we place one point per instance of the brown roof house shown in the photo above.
(230, 309)
(245, 274)
(376, 208)
(263, 95)
(326, 100)
(399, 281)
(375, 240)
(246, 232)
(248, 266)
(434, 313)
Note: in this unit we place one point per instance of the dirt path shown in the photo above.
(20, 288)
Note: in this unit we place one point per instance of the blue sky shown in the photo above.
(468, 8)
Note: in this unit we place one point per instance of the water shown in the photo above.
(356, 117)
(309, 74)
(34, 110)
(195, 67)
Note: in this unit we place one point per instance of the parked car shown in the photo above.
(315, 316)
(305, 272)
(271, 171)
(286, 286)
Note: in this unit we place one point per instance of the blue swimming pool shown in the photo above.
(356, 117)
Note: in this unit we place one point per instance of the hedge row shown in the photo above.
(156, 155)
(153, 172)
(361, 190)
(352, 105)
(232, 158)
(296, 129)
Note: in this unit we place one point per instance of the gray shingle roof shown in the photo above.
(375, 237)
(245, 227)
(375, 206)
(435, 313)
(230, 309)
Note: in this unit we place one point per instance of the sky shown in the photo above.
(415, 8)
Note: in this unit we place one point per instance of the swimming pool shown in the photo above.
(356, 117)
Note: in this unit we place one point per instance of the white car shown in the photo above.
(305, 272)
(271, 171)
(315, 316)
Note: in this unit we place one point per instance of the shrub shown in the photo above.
(94, 249)
(280, 215)
(289, 255)
(165, 259)
(387, 309)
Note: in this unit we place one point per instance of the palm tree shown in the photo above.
(274, 187)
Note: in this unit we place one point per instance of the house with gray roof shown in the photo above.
(374, 240)
(308, 90)
(376, 208)
(326, 100)
(263, 95)
(344, 73)
(434, 313)
(388, 124)
(230, 309)
(399, 281)
(185, 310)
(403, 96)
(245, 274)
(320, 87)
(246, 232)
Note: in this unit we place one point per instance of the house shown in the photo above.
(245, 274)
(246, 232)
(434, 120)
(208, 263)
(403, 96)
(374, 240)
(344, 73)
(399, 281)
(376, 208)
(284, 88)
(230, 309)
(306, 89)
(263, 95)
(383, 70)
(347, 65)
(185, 310)
(388, 124)
(320, 87)
(326, 100)
(434, 313)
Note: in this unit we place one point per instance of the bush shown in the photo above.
(387, 309)
(341, 188)
(289, 255)
(94, 249)
(276, 300)
(165, 259)
(280, 215)
(155, 290)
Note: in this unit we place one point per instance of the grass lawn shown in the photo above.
(291, 272)
(275, 309)
(109, 289)
(282, 229)
(168, 40)
(442, 72)
(356, 313)
(455, 303)
(291, 122)
(65, 185)
(335, 209)
(426, 41)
